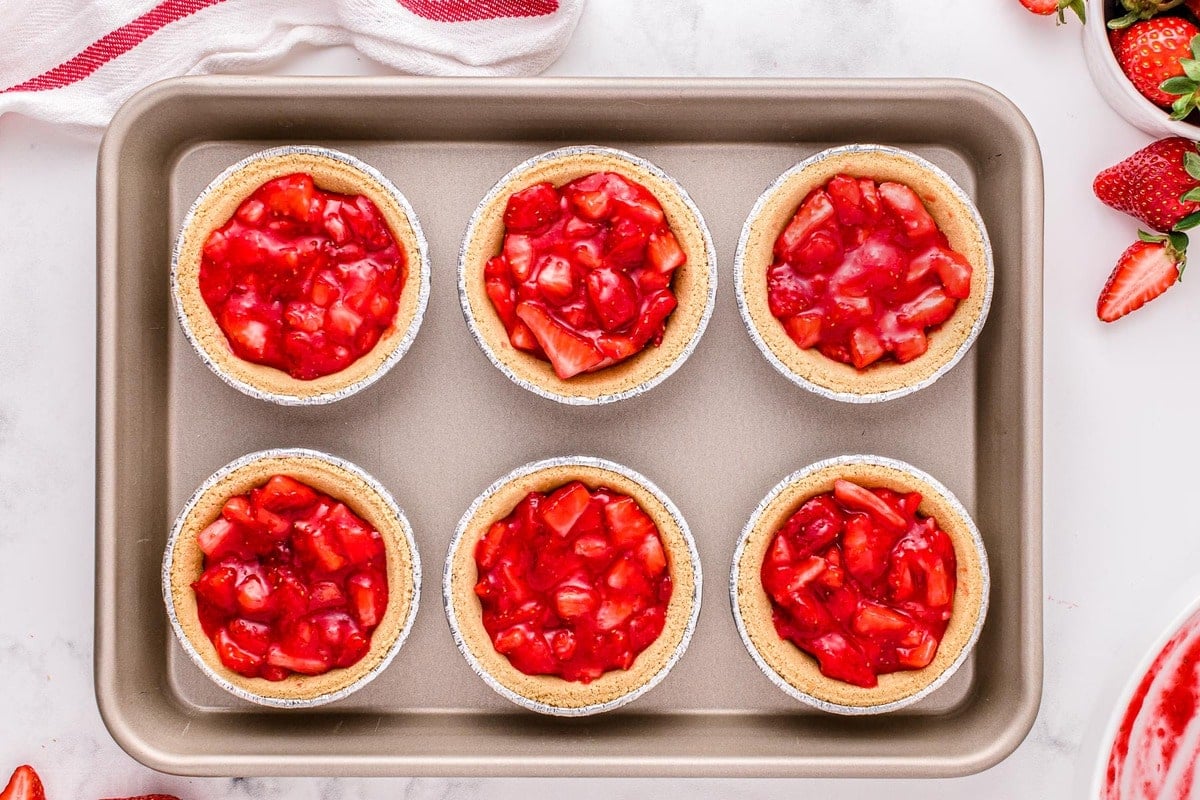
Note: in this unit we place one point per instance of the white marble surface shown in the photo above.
(1121, 540)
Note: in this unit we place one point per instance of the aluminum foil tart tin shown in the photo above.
(542, 391)
(422, 285)
(819, 703)
(452, 617)
(824, 391)
(185, 642)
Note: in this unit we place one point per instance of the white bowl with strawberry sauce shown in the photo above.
(606, 609)
(291, 578)
(859, 585)
(1116, 88)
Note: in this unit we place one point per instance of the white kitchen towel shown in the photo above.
(76, 61)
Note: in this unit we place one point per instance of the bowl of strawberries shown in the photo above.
(1144, 56)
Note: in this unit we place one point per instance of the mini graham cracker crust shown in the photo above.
(694, 283)
(331, 171)
(797, 672)
(184, 561)
(549, 694)
(954, 214)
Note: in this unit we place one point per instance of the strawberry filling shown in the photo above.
(301, 279)
(861, 582)
(293, 582)
(574, 583)
(584, 277)
(862, 273)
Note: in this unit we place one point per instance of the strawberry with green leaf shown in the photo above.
(1136, 10)
(1159, 185)
(1151, 53)
(1185, 86)
(1145, 270)
(1048, 7)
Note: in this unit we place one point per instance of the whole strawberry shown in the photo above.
(1145, 270)
(1159, 185)
(1150, 54)
(1048, 7)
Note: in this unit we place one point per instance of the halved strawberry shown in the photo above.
(24, 785)
(852, 495)
(533, 209)
(1144, 271)
(568, 354)
(563, 508)
(903, 202)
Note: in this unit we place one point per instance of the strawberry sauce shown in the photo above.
(584, 277)
(303, 280)
(293, 582)
(862, 273)
(861, 582)
(574, 583)
(1157, 744)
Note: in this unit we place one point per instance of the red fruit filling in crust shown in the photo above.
(862, 272)
(301, 279)
(861, 582)
(584, 277)
(574, 583)
(293, 582)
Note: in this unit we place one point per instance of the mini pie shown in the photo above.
(798, 672)
(864, 273)
(337, 266)
(614, 287)
(360, 499)
(468, 586)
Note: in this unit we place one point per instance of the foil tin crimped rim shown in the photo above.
(649, 383)
(398, 351)
(817, 702)
(452, 617)
(816, 388)
(186, 643)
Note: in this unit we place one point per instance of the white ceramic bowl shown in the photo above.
(1116, 89)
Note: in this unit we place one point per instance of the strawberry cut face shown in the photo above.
(861, 581)
(303, 280)
(862, 273)
(583, 278)
(293, 581)
(573, 583)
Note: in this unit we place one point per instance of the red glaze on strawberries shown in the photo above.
(861, 582)
(293, 582)
(862, 273)
(584, 277)
(574, 583)
(303, 280)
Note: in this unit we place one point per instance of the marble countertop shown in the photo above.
(1120, 543)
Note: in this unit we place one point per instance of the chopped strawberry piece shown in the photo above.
(368, 595)
(614, 297)
(931, 308)
(816, 211)
(555, 278)
(236, 657)
(563, 508)
(804, 329)
(304, 665)
(663, 251)
(568, 354)
(575, 601)
(628, 525)
(857, 497)
(219, 538)
(865, 347)
(532, 210)
(904, 203)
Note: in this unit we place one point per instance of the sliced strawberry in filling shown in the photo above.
(861, 581)
(583, 278)
(303, 280)
(573, 583)
(863, 274)
(293, 581)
